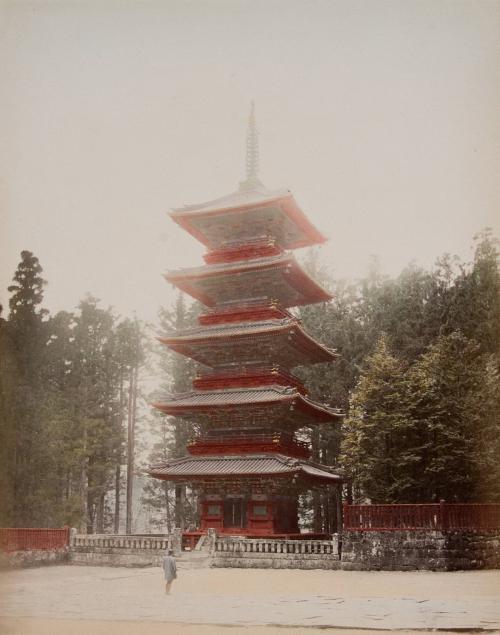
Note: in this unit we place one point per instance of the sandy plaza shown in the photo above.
(64, 599)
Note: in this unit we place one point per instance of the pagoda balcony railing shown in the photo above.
(243, 250)
(247, 376)
(225, 444)
(254, 310)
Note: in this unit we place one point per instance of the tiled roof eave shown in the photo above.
(246, 330)
(203, 271)
(285, 262)
(251, 466)
(230, 203)
(232, 329)
(265, 396)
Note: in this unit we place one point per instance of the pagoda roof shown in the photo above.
(244, 466)
(272, 404)
(248, 214)
(279, 341)
(278, 278)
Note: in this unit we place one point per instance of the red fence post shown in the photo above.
(345, 516)
(443, 515)
(67, 536)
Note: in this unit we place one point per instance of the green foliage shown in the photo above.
(377, 449)
(418, 378)
(441, 339)
(172, 505)
(453, 392)
(24, 337)
(62, 380)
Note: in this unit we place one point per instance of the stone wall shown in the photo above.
(109, 550)
(115, 558)
(428, 550)
(361, 550)
(274, 561)
(270, 553)
(33, 558)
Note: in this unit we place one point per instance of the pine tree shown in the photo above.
(158, 495)
(475, 302)
(27, 336)
(454, 398)
(172, 434)
(95, 379)
(486, 431)
(9, 380)
(376, 454)
(130, 356)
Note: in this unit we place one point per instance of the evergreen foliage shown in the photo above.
(62, 380)
(417, 376)
(443, 330)
(171, 504)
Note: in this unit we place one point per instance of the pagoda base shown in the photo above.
(254, 514)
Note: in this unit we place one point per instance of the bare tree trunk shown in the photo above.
(84, 486)
(132, 400)
(100, 513)
(90, 511)
(116, 526)
(119, 461)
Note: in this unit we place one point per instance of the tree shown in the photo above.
(475, 302)
(454, 407)
(172, 434)
(9, 380)
(129, 352)
(95, 378)
(27, 292)
(27, 336)
(158, 495)
(377, 452)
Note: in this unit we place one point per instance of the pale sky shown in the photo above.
(382, 117)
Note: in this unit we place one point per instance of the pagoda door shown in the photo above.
(235, 513)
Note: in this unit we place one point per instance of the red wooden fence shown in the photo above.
(433, 516)
(14, 539)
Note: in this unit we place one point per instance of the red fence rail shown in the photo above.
(15, 539)
(432, 516)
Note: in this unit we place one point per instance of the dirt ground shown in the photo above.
(26, 626)
(76, 600)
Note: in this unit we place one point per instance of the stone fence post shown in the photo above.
(211, 538)
(72, 536)
(177, 541)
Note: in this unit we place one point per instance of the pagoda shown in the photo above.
(252, 457)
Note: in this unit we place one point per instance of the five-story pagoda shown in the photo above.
(252, 460)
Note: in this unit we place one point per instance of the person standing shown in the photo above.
(169, 569)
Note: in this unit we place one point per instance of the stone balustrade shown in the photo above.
(122, 550)
(115, 541)
(274, 553)
(276, 546)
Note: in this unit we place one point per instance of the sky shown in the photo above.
(381, 116)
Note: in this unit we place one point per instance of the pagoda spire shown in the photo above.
(252, 154)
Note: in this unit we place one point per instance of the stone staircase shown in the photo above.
(193, 560)
(198, 558)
